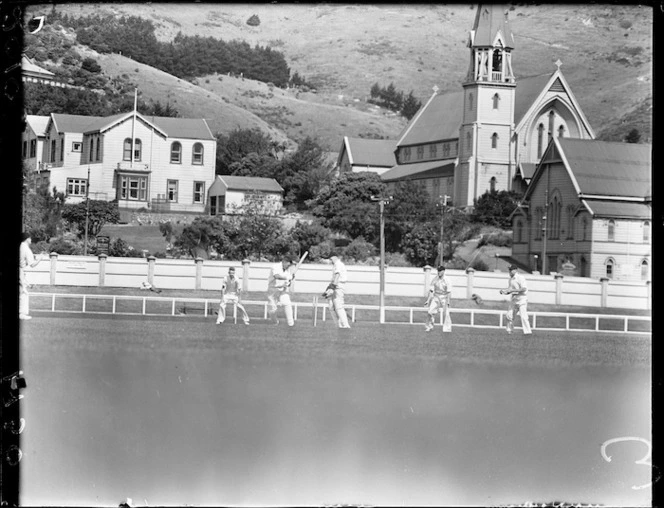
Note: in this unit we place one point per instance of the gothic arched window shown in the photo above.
(644, 270)
(609, 265)
(561, 131)
(92, 148)
(492, 184)
(176, 152)
(540, 139)
(646, 232)
(552, 118)
(494, 140)
(197, 154)
(496, 101)
(469, 141)
(519, 231)
(470, 101)
(126, 152)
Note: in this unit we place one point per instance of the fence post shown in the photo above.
(199, 272)
(151, 261)
(245, 275)
(54, 266)
(649, 307)
(470, 278)
(102, 269)
(427, 279)
(559, 288)
(605, 290)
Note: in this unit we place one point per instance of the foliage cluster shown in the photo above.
(493, 208)
(389, 97)
(254, 20)
(184, 57)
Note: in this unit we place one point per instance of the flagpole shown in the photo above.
(133, 130)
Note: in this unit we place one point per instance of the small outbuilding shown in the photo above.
(238, 194)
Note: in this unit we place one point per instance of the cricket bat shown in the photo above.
(299, 263)
(447, 322)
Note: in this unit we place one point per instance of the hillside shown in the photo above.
(606, 52)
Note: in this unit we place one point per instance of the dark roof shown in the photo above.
(489, 20)
(608, 168)
(618, 209)
(441, 117)
(527, 169)
(251, 183)
(420, 170)
(371, 152)
(188, 128)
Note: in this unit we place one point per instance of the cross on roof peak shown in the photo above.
(435, 88)
(558, 63)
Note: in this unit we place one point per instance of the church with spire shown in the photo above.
(491, 134)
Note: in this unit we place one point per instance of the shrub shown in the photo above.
(359, 249)
(499, 239)
(65, 246)
(480, 265)
(254, 20)
(395, 259)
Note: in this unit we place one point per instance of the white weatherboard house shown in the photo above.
(235, 194)
(142, 161)
(32, 146)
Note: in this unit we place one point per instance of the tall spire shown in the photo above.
(491, 42)
(491, 22)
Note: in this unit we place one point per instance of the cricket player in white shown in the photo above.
(26, 259)
(230, 293)
(439, 298)
(338, 285)
(519, 301)
(277, 290)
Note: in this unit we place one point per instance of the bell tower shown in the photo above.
(487, 128)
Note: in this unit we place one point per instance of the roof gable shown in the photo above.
(38, 124)
(370, 152)
(250, 183)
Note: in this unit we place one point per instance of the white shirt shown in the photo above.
(518, 282)
(230, 286)
(339, 268)
(284, 276)
(26, 257)
(441, 286)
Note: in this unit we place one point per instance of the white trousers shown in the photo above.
(23, 297)
(338, 309)
(235, 300)
(522, 310)
(278, 297)
(439, 302)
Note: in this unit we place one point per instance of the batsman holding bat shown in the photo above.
(278, 285)
(439, 298)
(519, 301)
(335, 293)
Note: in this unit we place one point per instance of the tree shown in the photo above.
(345, 205)
(633, 136)
(91, 65)
(100, 213)
(494, 207)
(410, 106)
(307, 235)
(237, 145)
(42, 213)
(410, 205)
(420, 245)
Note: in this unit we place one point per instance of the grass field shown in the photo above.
(177, 410)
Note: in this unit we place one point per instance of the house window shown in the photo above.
(553, 218)
(126, 152)
(492, 184)
(570, 222)
(221, 204)
(172, 191)
(98, 154)
(496, 101)
(538, 223)
(494, 140)
(561, 131)
(540, 139)
(420, 152)
(585, 228)
(33, 148)
(433, 151)
(76, 186)
(446, 150)
(199, 192)
(583, 270)
(552, 117)
(645, 272)
(92, 148)
(53, 150)
(137, 150)
(518, 227)
(610, 263)
(470, 102)
(646, 232)
(76, 146)
(612, 231)
(62, 149)
(25, 149)
(134, 188)
(197, 154)
(469, 141)
(213, 205)
(406, 153)
(176, 153)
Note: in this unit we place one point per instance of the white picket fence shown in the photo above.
(310, 312)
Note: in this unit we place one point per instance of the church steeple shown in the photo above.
(491, 42)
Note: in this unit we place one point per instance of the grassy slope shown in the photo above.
(344, 49)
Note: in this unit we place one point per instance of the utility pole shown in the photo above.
(382, 201)
(87, 212)
(442, 222)
(546, 209)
